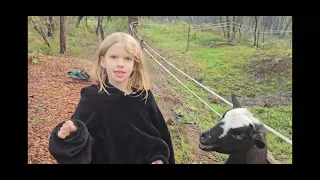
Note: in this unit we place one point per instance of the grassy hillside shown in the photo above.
(261, 78)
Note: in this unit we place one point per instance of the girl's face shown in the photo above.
(118, 63)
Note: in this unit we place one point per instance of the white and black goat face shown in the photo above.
(237, 129)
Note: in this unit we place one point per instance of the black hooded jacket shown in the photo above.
(114, 129)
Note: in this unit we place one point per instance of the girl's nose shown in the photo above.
(120, 62)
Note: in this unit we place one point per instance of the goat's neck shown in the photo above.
(251, 155)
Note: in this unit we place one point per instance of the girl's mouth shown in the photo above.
(119, 74)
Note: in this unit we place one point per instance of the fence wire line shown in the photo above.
(181, 100)
(136, 34)
(268, 154)
(246, 30)
(175, 124)
(215, 94)
(220, 158)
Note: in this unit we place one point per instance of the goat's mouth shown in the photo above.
(206, 147)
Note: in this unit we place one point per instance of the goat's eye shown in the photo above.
(239, 137)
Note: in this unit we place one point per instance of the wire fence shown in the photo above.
(193, 121)
(240, 28)
(270, 157)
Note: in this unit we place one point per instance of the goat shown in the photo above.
(238, 134)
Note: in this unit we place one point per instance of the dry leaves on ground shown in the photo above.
(52, 98)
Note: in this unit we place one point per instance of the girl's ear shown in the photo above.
(102, 61)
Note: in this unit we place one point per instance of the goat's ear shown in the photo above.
(235, 101)
(258, 140)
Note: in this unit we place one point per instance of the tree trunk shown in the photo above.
(269, 23)
(251, 22)
(255, 31)
(234, 32)
(132, 19)
(63, 46)
(228, 28)
(283, 19)
(233, 25)
(51, 27)
(285, 29)
(258, 38)
(221, 21)
(277, 23)
(78, 22)
(101, 29)
(99, 23)
(241, 19)
(43, 34)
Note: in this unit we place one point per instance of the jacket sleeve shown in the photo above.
(158, 120)
(77, 147)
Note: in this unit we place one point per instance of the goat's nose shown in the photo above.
(202, 139)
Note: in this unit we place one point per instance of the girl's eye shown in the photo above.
(128, 59)
(113, 57)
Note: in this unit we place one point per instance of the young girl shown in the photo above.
(117, 120)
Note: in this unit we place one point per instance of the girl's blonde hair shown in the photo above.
(138, 79)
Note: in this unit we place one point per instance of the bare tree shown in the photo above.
(98, 26)
(221, 21)
(234, 32)
(233, 26)
(286, 27)
(255, 31)
(258, 38)
(78, 21)
(41, 32)
(132, 19)
(63, 46)
(101, 29)
(228, 28)
(281, 22)
(241, 19)
(51, 27)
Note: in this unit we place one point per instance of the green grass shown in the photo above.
(226, 70)
(181, 149)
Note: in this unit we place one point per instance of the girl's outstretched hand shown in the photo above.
(67, 128)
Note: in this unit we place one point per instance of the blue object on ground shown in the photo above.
(79, 74)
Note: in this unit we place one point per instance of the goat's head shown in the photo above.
(236, 130)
